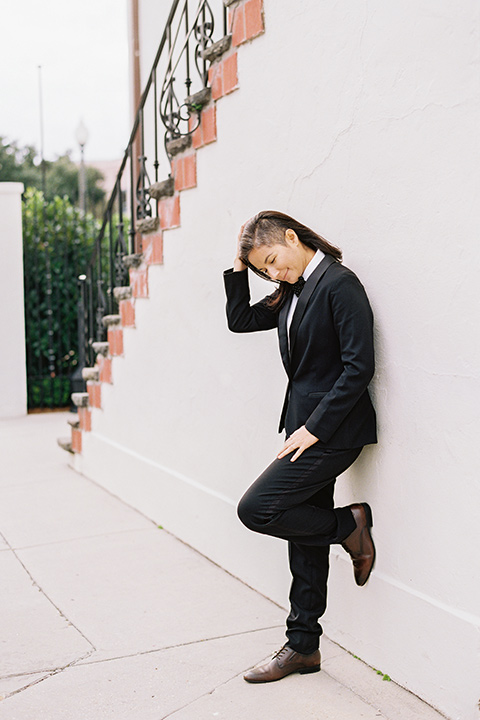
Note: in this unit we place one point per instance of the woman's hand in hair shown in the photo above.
(300, 440)
(238, 264)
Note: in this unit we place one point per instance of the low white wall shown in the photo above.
(13, 396)
(361, 119)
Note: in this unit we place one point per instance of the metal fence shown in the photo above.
(58, 242)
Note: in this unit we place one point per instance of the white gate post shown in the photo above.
(13, 372)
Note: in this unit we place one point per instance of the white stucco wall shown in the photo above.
(361, 119)
(13, 395)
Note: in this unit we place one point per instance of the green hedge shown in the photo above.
(58, 243)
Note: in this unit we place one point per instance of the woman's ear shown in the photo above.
(291, 237)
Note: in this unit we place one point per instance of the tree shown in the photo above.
(21, 164)
(18, 164)
(62, 179)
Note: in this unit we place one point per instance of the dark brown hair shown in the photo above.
(268, 227)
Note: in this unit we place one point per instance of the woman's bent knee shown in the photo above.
(252, 514)
(248, 511)
(245, 512)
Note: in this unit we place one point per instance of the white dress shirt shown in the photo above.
(316, 260)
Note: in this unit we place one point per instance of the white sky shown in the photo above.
(82, 47)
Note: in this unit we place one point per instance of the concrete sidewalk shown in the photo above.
(104, 615)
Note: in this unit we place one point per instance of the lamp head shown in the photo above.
(81, 134)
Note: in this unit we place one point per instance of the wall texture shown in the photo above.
(361, 119)
(13, 397)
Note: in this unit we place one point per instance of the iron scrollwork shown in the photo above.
(143, 198)
(120, 271)
(203, 31)
(182, 119)
(186, 37)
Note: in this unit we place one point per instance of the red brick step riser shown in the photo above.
(245, 22)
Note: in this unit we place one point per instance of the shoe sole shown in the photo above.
(369, 519)
(301, 671)
(305, 671)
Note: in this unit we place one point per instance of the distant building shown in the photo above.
(109, 170)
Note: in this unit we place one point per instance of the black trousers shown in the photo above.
(294, 501)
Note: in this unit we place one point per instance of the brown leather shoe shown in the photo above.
(359, 544)
(284, 662)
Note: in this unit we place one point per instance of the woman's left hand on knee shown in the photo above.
(300, 440)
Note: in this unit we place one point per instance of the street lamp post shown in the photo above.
(77, 383)
(82, 137)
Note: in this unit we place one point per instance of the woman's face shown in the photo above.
(283, 263)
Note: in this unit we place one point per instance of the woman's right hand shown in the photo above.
(238, 264)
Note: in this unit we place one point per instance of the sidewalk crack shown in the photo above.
(47, 597)
(202, 695)
(47, 674)
(180, 645)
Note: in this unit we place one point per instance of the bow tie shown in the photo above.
(298, 286)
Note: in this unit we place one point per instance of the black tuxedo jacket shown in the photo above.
(329, 360)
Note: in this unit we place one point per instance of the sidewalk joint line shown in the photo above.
(204, 694)
(77, 539)
(179, 645)
(47, 674)
(49, 599)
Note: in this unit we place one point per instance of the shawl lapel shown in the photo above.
(282, 336)
(305, 296)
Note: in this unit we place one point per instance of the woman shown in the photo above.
(325, 328)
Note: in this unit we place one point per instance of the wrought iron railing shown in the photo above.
(170, 105)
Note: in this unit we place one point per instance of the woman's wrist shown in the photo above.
(239, 265)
